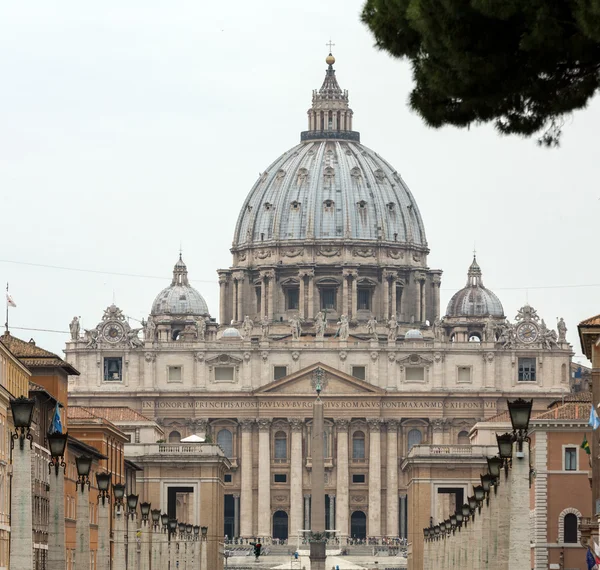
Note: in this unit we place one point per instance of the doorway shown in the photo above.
(358, 525)
(229, 528)
(280, 525)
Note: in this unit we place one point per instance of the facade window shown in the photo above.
(225, 440)
(258, 301)
(328, 298)
(279, 372)
(571, 523)
(464, 374)
(358, 445)
(292, 299)
(398, 299)
(364, 299)
(280, 445)
(175, 374)
(224, 374)
(415, 374)
(279, 478)
(570, 459)
(463, 438)
(227, 478)
(113, 369)
(527, 370)
(359, 372)
(358, 477)
(174, 437)
(414, 438)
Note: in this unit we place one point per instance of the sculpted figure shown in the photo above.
(562, 330)
(372, 327)
(438, 330)
(490, 330)
(264, 325)
(133, 339)
(91, 337)
(150, 329)
(507, 335)
(344, 328)
(392, 326)
(295, 327)
(74, 328)
(247, 327)
(320, 325)
(201, 329)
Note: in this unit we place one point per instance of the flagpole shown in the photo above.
(6, 301)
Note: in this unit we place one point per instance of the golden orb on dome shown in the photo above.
(330, 60)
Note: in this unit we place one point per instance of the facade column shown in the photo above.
(131, 542)
(82, 528)
(345, 277)
(264, 477)
(332, 512)
(403, 518)
(306, 512)
(234, 305)
(437, 281)
(239, 286)
(417, 308)
(236, 516)
(386, 296)
(423, 298)
(354, 308)
(310, 274)
(263, 298)
(144, 545)
(297, 426)
(271, 294)
(438, 431)
(301, 303)
(342, 507)
(393, 295)
(374, 522)
(392, 478)
(222, 299)
(246, 510)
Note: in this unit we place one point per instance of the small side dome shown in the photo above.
(231, 333)
(474, 300)
(413, 334)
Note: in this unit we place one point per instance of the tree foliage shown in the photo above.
(521, 64)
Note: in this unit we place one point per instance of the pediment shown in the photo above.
(338, 383)
(224, 360)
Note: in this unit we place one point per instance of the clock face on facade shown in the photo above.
(527, 332)
(113, 332)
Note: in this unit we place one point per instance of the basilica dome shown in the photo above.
(329, 187)
(474, 300)
(180, 298)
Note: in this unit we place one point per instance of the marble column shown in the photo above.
(393, 296)
(317, 515)
(306, 512)
(164, 551)
(296, 425)
(374, 522)
(354, 307)
(103, 552)
(311, 293)
(271, 294)
(155, 545)
(236, 516)
(21, 536)
(392, 478)
(144, 546)
(437, 425)
(222, 299)
(437, 281)
(332, 512)
(519, 549)
(417, 310)
(386, 297)
(342, 506)
(263, 298)
(131, 542)
(246, 509)
(119, 539)
(264, 477)
(56, 532)
(301, 304)
(82, 528)
(345, 278)
(423, 299)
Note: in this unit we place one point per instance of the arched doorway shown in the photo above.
(280, 525)
(358, 525)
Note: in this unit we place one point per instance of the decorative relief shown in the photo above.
(488, 356)
(392, 424)
(295, 355)
(374, 423)
(224, 359)
(438, 357)
(342, 424)
(199, 356)
(263, 253)
(356, 174)
(415, 360)
(343, 355)
(264, 424)
(242, 256)
(358, 498)
(150, 356)
(247, 356)
(296, 424)
(438, 424)
(280, 498)
(374, 356)
(379, 175)
(363, 252)
(391, 356)
(329, 251)
(395, 254)
(246, 423)
(201, 425)
(264, 355)
(293, 252)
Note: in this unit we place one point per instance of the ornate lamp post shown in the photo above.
(173, 543)
(196, 549)
(204, 546)
(164, 546)
(57, 443)
(120, 557)
(82, 525)
(144, 537)
(21, 537)
(132, 502)
(103, 553)
(155, 543)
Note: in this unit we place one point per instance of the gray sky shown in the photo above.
(129, 127)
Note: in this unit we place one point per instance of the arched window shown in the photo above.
(570, 533)
(225, 440)
(174, 437)
(280, 445)
(414, 438)
(358, 445)
(463, 438)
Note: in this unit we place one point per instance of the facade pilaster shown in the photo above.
(264, 477)
(306, 512)
(345, 277)
(417, 287)
(374, 522)
(392, 478)
(131, 543)
(310, 275)
(263, 298)
(331, 511)
(393, 278)
(82, 528)
(301, 293)
(519, 552)
(103, 552)
(437, 282)
(342, 507)
(437, 426)
(56, 532)
(354, 307)
(271, 293)
(119, 539)
(296, 425)
(386, 296)
(246, 508)
(236, 515)
(21, 537)
(222, 298)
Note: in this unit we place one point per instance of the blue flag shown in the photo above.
(591, 561)
(56, 425)
(594, 421)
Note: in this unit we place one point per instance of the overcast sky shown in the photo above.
(127, 128)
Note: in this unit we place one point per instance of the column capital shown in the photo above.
(296, 424)
(392, 424)
(307, 496)
(246, 423)
(236, 495)
(342, 424)
(264, 424)
(374, 423)
(438, 424)
(436, 279)
(238, 275)
(390, 275)
(223, 278)
(267, 274)
(306, 273)
(347, 272)
(420, 276)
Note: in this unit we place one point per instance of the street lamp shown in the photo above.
(453, 522)
(103, 552)
(84, 464)
(479, 496)
(459, 519)
(172, 526)
(132, 501)
(164, 519)
(520, 412)
(155, 518)
(22, 412)
(204, 531)
(466, 511)
(505, 442)
(57, 442)
(145, 509)
(196, 531)
(119, 493)
(103, 484)
(486, 483)
(472, 504)
(494, 466)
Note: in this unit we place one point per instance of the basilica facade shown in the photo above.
(329, 276)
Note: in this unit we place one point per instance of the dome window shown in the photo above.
(362, 205)
(268, 206)
(280, 174)
(329, 204)
(391, 206)
(295, 205)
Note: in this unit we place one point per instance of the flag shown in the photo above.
(56, 425)
(591, 560)
(585, 445)
(594, 421)
(596, 552)
(9, 301)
